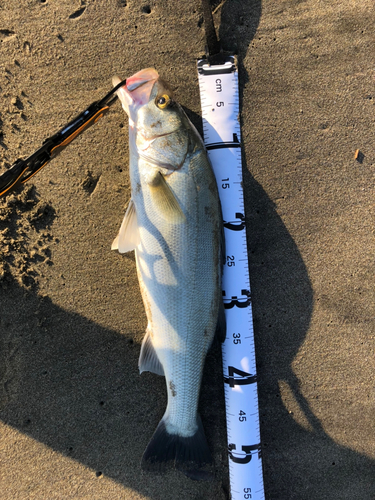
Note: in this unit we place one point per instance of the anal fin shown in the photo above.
(148, 359)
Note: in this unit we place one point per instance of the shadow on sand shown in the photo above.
(74, 385)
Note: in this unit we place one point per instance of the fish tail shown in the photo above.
(191, 455)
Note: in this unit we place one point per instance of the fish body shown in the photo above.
(174, 224)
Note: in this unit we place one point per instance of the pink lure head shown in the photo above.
(137, 90)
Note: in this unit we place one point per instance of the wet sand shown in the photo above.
(75, 415)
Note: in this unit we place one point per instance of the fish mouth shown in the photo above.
(149, 75)
(137, 90)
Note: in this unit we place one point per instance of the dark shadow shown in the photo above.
(74, 385)
(239, 23)
(298, 464)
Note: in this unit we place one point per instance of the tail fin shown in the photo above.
(191, 455)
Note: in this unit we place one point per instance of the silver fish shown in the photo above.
(173, 222)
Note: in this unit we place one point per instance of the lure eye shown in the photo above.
(163, 101)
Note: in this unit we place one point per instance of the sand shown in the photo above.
(75, 415)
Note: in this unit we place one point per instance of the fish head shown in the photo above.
(158, 127)
(149, 104)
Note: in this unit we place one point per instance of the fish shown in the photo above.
(174, 224)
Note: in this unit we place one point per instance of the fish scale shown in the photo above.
(189, 289)
(174, 224)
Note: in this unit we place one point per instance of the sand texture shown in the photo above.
(75, 415)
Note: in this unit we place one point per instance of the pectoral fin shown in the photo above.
(128, 236)
(165, 201)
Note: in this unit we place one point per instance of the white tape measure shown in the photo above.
(222, 136)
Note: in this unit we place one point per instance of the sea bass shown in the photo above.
(173, 222)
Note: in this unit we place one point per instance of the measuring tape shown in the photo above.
(218, 86)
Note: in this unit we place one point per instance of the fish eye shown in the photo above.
(163, 101)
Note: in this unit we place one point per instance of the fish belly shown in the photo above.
(179, 274)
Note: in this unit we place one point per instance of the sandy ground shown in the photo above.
(75, 415)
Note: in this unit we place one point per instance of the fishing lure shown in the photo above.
(22, 170)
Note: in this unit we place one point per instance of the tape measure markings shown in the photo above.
(222, 136)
